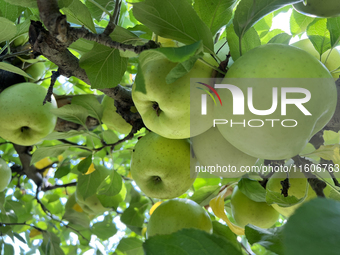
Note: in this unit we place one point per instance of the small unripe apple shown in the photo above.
(36, 71)
(246, 211)
(176, 214)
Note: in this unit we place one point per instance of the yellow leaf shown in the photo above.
(91, 169)
(217, 205)
(60, 158)
(153, 208)
(43, 163)
(34, 232)
(327, 152)
(77, 208)
(129, 175)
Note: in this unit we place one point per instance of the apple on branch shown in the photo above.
(246, 211)
(212, 149)
(176, 214)
(277, 125)
(161, 166)
(165, 108)
(330, 58)
(23, 117)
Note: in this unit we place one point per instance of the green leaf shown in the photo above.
(270, 238)
(77, 218)
(224, 231)
(84, 165)
(130, 246)
(9, 11)
(24, 3)
(91, 104)
(189, 242)
(73, 113)
(97, 12)
(8, 248)
(51, 244)
(77, 13)
(53, 151)
(12, 68)
(111, 186)
(282, 38)
(62, 171)
(249, 41)
(252, 189)
(313, 229)
(263, 26)
(104, 229)
(277, 198)
(203, 195)
(333, 25)
(215, 13)
(133, 216)
(319, 35)
(299, 22)
(181, 69)
(104, 66)
(174, 19)
(248, 12)
(87, 184)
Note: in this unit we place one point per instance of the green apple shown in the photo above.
(268, 125)
(297, 187)
(165, 108)
(36, 70)
(112, 119)
(212, 149)
(6, 175)
(176, 214)
(24, 119)
(22, 39)
(161, 166)
(325, 8)
(331, 59)
(246, 211)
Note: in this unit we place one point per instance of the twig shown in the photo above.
(2, 224)
(71, 184)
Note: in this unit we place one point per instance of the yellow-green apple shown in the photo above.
(176, 214)
(165, 108)
(22, 39)
(298, 185)
(325, 8)
(246, 211)
(6, 175)
(24, 119)
(330, 58)
(271, 101)
(112, 119)
(212, 150)
(36, 70)
(92, 204)
(161, 166)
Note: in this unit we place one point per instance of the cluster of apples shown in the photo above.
(160, 162)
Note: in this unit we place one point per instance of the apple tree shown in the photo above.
(114, 173)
